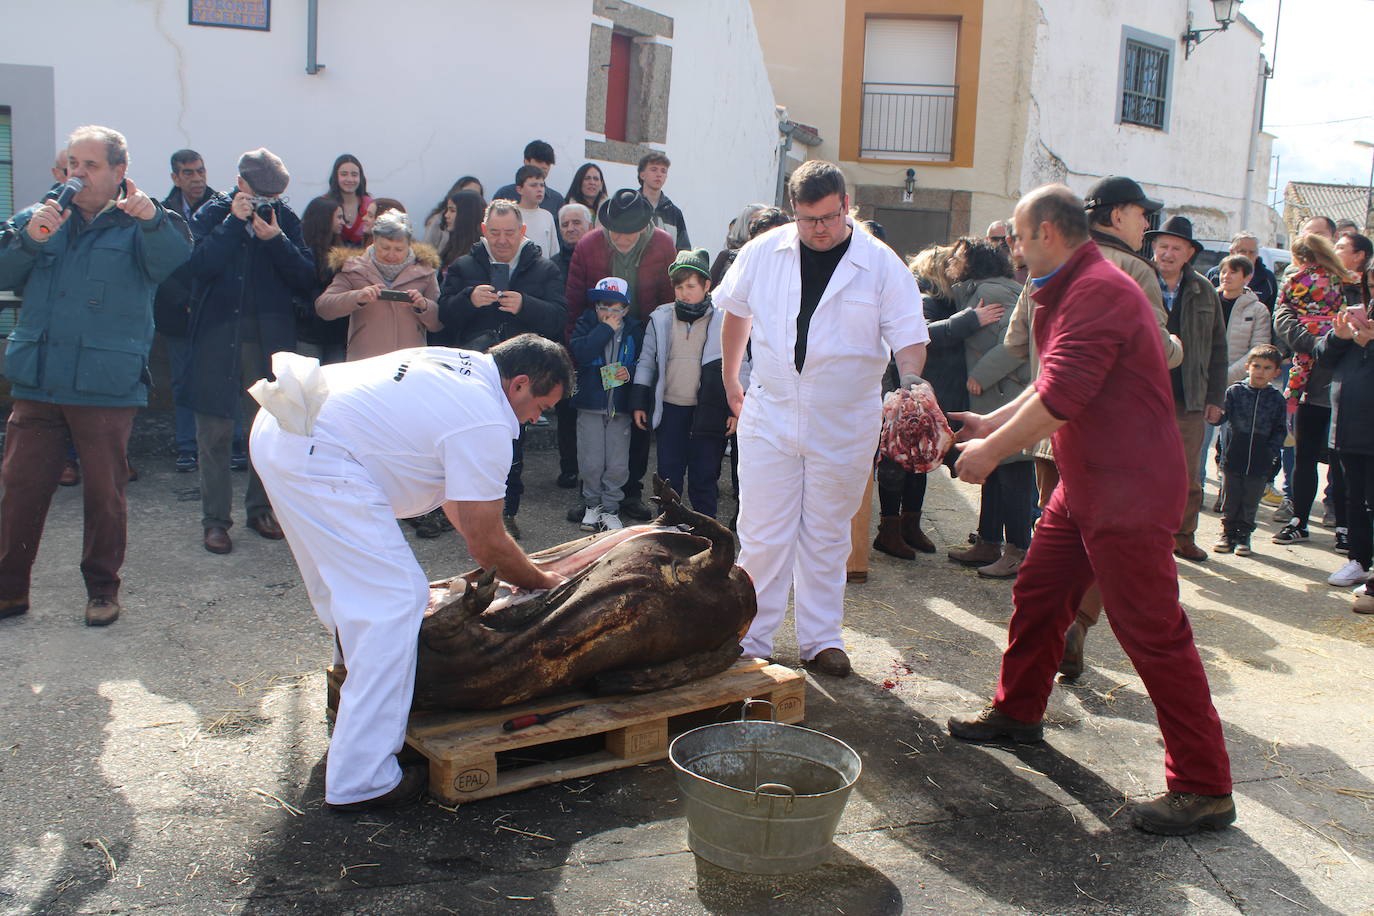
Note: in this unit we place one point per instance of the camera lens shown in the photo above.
(264, 212)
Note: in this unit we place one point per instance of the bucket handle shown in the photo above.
(791, 794)
(744, 710)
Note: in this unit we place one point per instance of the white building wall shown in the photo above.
(422, 92)
(1198, 165)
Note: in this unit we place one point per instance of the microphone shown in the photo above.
(63, 196)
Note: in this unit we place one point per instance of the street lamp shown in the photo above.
(1369, 196)
(1224, 11)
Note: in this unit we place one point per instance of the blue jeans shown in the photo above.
(178, 355)
(698, 460)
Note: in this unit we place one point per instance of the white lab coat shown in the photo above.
(807, 439)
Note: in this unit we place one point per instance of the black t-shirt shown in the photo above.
(816, 270)
(1226, 306)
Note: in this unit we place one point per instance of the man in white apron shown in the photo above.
(395, 437)
(826, 305)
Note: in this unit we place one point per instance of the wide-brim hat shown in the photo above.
(626, 211)
(1180, 227)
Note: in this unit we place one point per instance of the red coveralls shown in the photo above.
(1113, 516)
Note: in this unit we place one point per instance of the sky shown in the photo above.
(1321, 98)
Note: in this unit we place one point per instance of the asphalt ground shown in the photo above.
(173, 763)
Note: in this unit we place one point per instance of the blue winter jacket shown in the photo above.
(87, 320)
(589, 339)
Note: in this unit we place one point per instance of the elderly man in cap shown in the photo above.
(250, 262)
(625, 243)
(77, 360)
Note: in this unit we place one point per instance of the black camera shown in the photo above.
(263, 212)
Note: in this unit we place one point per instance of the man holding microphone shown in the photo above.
(78, 360)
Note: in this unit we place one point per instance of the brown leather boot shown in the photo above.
(982, 553)
(890, 540)
(912, 533)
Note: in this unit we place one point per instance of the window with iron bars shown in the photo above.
(1145, 85)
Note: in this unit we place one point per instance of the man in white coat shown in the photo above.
(397, 436)
(826, 306)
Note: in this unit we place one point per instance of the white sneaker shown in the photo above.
(591, 519)
(1352, 573)
(610, 521)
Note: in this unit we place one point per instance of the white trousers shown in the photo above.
(793, 529)
(367, 588)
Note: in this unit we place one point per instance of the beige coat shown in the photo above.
(381, 326)
(1249, 327)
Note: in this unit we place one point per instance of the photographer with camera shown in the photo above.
(249, 263)
(505, 286)
(388, 291)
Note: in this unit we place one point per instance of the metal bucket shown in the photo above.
(763, 797)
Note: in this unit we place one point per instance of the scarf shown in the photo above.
(625, 264)
(390, 272)
(690, 313)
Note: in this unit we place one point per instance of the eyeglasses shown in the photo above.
(815, 222)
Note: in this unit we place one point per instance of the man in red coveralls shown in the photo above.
(1103, 392)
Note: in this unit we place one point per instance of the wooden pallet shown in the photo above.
(471, 757)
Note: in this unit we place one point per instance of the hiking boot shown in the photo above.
(1291, 533)
(1185, 548)
(833, 662)
(912, 533)
(1006, 566)
(1342, 544)
(1352, 573)
(890, 540)
(981, 553)
(1183, 813)
(988, 726)
(1285, 511)
(1243, 548)
(101, 612)
(591, 519)
(1224, 544)
(411, 788)
(1071, 664)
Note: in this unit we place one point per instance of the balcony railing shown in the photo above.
(908, 119)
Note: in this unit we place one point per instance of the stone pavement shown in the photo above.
(173, 763)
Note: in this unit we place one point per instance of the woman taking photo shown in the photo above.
(1308, 301)
(588, 188)
(389, 291)
(348, 187)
